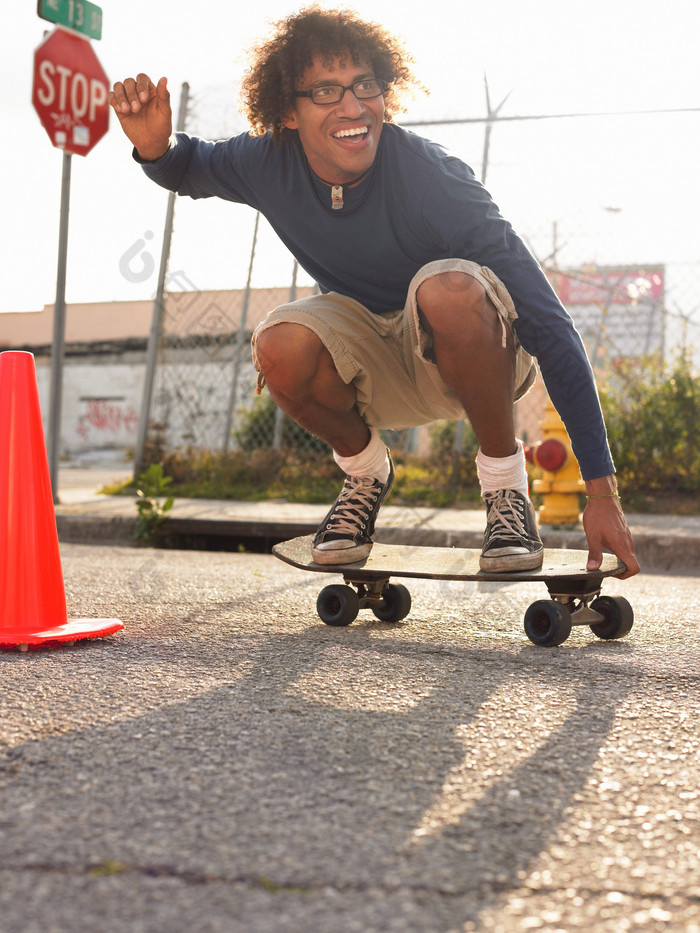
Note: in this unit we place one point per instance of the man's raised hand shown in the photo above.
(143, 109)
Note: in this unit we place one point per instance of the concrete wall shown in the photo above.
(103, 373)
(100, 403)
(102, 397)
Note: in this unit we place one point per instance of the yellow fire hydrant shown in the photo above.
(561, 483)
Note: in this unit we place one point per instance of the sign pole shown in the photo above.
(59, 330)
(69, 94)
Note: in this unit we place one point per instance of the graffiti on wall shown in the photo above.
(106, 419)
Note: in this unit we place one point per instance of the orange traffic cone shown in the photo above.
(32, 594)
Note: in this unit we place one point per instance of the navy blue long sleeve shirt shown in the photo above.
(418, 204)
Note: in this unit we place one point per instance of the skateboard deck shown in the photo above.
(574, 591)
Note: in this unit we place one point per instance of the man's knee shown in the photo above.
(448, 294)
(288, 355)
(292, 358)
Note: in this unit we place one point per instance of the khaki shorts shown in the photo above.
(387, 357)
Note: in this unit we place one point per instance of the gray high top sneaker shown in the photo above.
(345, 534)
(511, 539)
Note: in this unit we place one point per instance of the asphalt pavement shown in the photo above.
(228, 763)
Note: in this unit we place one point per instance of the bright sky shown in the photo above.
(553, 57)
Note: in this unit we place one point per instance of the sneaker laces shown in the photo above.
(506, 516)
(355, 502)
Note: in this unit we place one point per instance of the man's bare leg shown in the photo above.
(304, 382)
(468, 344)
(475, 355)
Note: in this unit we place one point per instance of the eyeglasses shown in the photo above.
(364, 89)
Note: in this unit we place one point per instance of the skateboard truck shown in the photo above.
(548, 622)
(339, 604)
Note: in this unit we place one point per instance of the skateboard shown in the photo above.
(574, 591)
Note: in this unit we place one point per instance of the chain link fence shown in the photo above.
(629, 296)
(204, 380)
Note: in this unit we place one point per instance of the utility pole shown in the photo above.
(158, 309)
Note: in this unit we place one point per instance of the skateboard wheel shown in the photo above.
(618, 617)
(338, 604)
(396, 603)
(547, 623)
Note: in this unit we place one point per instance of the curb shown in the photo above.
(658, 552)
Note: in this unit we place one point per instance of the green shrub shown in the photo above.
(652, 411)
(152, 485)
(303, 469)
(257, 429)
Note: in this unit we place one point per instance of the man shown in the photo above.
(431, 306)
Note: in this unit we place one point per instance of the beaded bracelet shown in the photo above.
(607, 495)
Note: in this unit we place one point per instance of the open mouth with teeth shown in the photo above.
(354, 133)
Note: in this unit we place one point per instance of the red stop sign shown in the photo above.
(70, 92)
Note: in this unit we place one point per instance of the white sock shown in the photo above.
(372, 461)
(503, 472)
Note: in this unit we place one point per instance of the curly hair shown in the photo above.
(278, 63)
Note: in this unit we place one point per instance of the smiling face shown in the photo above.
(340, 140)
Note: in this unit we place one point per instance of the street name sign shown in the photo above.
(80, 15)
